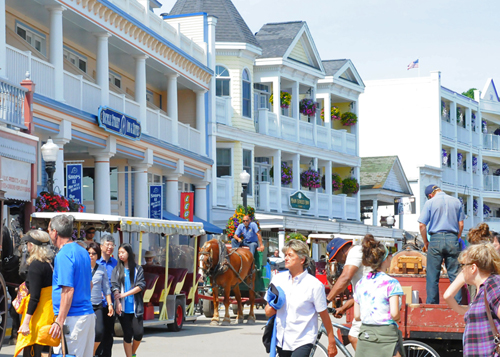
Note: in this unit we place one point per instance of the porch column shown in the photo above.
(140, 89)
(328, 118)
(277, 102)
(172, 106)
(375, 213)
(296, 172)
(173, 193)
(3, 48)
(453, 118)
(315, 117)
(56, 55)
(277, 174)
(102, 66)
(102, 183)
(141, 208)
(328, 186)
(200, 199)
(61, 139)
(315, 167)
(480, 212)
(295, 108)
(200, 119)
(358, 195)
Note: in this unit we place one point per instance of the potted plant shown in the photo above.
(308, 107)
(350, 185)
(237, 218)
(336, 182)
(310, 178)
(295, 235)
(348, 119)
(285, 99)
(486, 211)
(334, 113)
(286, 173)
(51, 202)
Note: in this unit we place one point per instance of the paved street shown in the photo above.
(196, 339)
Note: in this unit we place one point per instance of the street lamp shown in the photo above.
(49, 154)
(245, 179)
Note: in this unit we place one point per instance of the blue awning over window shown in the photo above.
(207, 226)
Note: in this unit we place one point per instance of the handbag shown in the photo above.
(496, 335)
(22, 293)
(45, 338)
(64, 347)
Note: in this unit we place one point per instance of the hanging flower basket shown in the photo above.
(350, 185)
(50, 202)
(486, 211)
(310, 178)
(475, 206)
(285, 99)
(484, 127)
(444, 111)
(286, 173)
(335, 114)
(348, 119)
(486, 168)
(473, 121)
(336, 182)
(445, 157)
(460, 158)
(295, 235)
(460, 116)
(308, 107)
(237, 218)
(474, 164)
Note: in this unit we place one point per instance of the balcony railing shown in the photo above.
(310, 134)
(12, 104)
(225, 191)
(159, 125)
(83, 95)
(491, 183)
(463, 135)
(464, 178)
(491, 142)
(223, 110)
(449, 176)
(447, 130)
(477, 179)
(190, 138)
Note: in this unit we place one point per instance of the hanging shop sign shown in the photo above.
(187, 205)
(16, 179)
(300, 201)
(155, 201)
(405, 205)
(118, 123)
(74, 188)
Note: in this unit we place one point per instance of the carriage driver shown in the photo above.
(251, 236)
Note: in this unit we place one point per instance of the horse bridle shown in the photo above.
(209, 261)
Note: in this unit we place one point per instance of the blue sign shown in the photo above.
(74, 182)
(118, 123)
(155, 201)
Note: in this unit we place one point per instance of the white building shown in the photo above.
(441, 137)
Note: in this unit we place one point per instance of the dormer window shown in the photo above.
(222, 81)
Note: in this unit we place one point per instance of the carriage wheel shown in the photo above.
(416, 348)
(178, 317)
(3, 308)
(208, 308)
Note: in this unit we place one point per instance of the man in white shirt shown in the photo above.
(344, 252)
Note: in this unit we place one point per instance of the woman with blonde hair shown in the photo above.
(36, 308)
(481, 268)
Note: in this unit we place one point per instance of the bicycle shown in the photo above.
(411, 347)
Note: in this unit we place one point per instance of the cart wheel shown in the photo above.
(416, 348)
(234, 307)
(208, 308)
(178, 317)
(3, 308)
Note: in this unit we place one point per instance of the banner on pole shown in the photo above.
(74, 178)
(155, 201)
(187, 205)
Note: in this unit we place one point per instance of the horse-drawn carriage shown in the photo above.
(170, 295)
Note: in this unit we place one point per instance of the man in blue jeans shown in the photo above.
(443, 217)
(251, 236)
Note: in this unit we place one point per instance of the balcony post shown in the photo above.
(56, 55)
(172, 106)
(200, 199)
(315, 167)
(277, 173)
(140, 89)
(453, 153)
(296, 172)
(328, 186)
(200, 119)
(3, 47)
(263, 121)
(264, 203)
(295, 109)
(480, 170)
(453, 119)
(480, 212)
(277, 102)
(375, 213)
(328, 118)
(103, 66)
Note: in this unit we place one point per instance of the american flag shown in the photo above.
(414, 64)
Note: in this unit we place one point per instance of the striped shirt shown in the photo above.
(478, 337)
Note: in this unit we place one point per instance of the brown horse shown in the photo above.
(223, 266)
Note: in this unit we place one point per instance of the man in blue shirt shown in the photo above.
(247, 235)
(443, 217)
(71, 286)
(107, 248)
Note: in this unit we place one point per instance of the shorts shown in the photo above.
(80, 340)
(356, 326)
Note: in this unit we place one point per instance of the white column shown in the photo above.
(453, 153)
(296, 172)
(453, 118)
(277, 174)
(358, 195)
(480, 212)
(140, 89)
(173, 193)
(56, 55)
(172, 106)
(200, 119)
(315, 167)
(328, 186)
(277, 102)
(314, 118)
(328, 117)
(141, 208)
(102, 66)
(375, 213)
(102, 184)
(200, 199)
(3, 48)
(295, 108)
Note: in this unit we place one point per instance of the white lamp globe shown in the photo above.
(390, 221)
(49, 151)
(245, 177)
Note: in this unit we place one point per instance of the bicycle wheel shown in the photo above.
(416, 348)
(319, 351)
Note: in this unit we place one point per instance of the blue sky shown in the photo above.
(381, 37)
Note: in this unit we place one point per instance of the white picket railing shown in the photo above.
(350, 143)
(12, 104)
(464, 178)
(322, 136)
(337, 140)
(463, 135)
(447, 130)
(288, 128)
(117, 101)
(306, 131)
(477, 179)
(351, 208)
(81, 94)
(159, 125)
(273, 197)
(133, 109)
(338, 206)
(223, 110)
(272, 124)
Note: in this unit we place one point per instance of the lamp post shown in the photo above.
(49, 154)
(245, 179)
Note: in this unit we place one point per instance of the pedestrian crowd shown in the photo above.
(73, 296)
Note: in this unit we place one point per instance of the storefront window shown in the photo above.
(89, 182)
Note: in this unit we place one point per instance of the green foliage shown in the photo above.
(470, 93)
(295, 235)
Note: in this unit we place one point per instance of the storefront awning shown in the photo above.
(208, 227)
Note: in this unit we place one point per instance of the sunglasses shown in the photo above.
(246, 220)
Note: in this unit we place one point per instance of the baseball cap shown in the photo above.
(430, 189)
(334, 246)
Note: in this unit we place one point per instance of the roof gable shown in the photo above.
(348, 73)
(384, 172)
(230, 25)
(490, 91)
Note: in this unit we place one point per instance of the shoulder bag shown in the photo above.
(496, 335)
(22, 293)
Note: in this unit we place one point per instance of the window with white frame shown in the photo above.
(76, 59)
(247, 166)
(222, 82)
(223, 162)
(34, 38)
(246, 94)
(115, 79)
